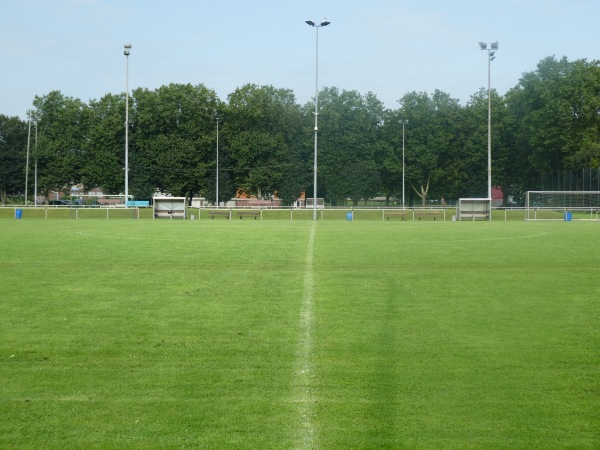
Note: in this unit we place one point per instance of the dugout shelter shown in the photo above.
(474, 209)
(169, 208)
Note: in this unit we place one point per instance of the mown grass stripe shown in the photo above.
(304, 397)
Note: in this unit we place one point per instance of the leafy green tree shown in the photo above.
(261, 138)
(556, 116)
(349, 136)
(470, 168)
(63, 133)
(389, 154)
(432, 141)
(173, 140)
(104, 153)
(13, 146)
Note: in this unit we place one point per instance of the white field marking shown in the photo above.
(503, 238)
(304, 397)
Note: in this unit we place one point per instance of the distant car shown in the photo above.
(59, 202)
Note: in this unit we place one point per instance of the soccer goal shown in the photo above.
(310, 202)
(562, 205)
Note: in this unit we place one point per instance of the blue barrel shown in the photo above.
(568, 216)
(18, 213)
(349, 216)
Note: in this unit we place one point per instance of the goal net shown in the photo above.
(310, 202)
(558, 205)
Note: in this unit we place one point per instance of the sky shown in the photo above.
(387, 47)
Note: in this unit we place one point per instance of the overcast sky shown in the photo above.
(388, 47)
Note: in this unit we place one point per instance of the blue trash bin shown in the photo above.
(18, 213)
(568, 216)
(349, 216)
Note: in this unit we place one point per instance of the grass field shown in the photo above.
(277, 334)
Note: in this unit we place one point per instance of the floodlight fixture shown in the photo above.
(483, 45)
(494, 45)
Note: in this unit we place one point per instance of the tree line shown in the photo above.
(549, 122)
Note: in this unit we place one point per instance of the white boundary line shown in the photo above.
(304, 397)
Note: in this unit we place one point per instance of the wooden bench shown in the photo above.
(422, 214)
(219, 213)
(248, 213)
(393, 214)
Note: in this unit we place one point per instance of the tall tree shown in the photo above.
(556, 110)
(471, 164)
(173, 139)
(349, 135)
(13, 145)
(432, 141)
(261, 133)
(63, 132)
(104, 151)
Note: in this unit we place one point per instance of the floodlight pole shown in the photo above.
(35, 186)
(27, 158)
(217, 187)
(403, 122)
(491, 51)
(127, 48)
(316, 26)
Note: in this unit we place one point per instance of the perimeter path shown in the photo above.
(303, 392)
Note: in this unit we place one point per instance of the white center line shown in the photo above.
(304, 397)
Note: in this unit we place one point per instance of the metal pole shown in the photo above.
(35, 189)
(27, 159)
(490, 54)
(126, 53)
(324, 23)
(404, 122)
(316, 127)
(489, 170)
(217, 187)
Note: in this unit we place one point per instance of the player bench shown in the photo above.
(426, 214)
(402, 215)
(248, 213)
(169, 214)
(474, 215)
(219, 213)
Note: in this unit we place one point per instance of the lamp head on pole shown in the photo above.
(324, 23)
(491, 51)
(127, 49)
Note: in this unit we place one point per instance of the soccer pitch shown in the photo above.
(275, 334)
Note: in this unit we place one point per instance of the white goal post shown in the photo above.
(310, 201)
(562, 205)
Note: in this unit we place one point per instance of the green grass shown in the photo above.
(275, 334)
